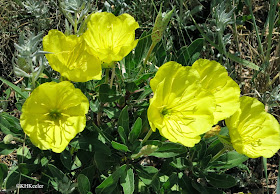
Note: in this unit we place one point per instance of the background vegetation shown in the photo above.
(242, 35)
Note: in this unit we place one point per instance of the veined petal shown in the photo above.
(53, 114)
(253, 131)
(109, 37)
(181, 110)
(214, 78)
(70, 57)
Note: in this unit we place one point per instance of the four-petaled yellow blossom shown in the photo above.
(53, 114)
(180, 109)
(70, 57)
(215, 79)
(111, 38)
(253, 131)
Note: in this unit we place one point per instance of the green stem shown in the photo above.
(112, 77)
(249, 3)
(265, 172)
(146, 59)
(147, 136)
(107, 75)
(218, 154)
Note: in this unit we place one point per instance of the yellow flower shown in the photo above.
(180, 109)
(69, 56)
(111, 38)
(215, 79)
(253, 131)
(53, 114)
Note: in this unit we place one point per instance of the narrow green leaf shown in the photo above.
(221, 180)
(169, 149)
(27, 168)
(124, 120)
(147, 174)
(83, 184)
(122, 134)
(136, 130)
(229, 160)
(119, 146)
(109, 184)
(3, 173)
(127, 182)
(56, 172)
(107, 94)
(243, 62)
(16, 88)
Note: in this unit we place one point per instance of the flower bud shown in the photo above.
(8, 138)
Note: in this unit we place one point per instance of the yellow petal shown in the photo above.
(214, 78)
(253, 131)
(69, 56)
(45, 131)
(111, 38)
(180, 109)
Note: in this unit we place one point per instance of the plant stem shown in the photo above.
(147, 136)
(146, 59)
(218, 154)
(112, 77)
(249, 3)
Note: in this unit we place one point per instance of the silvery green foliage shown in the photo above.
(28, 60)
(36, 8)
(222, 17)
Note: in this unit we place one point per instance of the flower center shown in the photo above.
(54, 114)
(165, 111)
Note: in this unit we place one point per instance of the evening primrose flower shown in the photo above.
(53, 114)
(214, 78)
(70, 57)
(253, 131)
(180, 109)
(111, 38)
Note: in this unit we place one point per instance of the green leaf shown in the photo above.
(119, 146)
(103, 161)
(109, 184)
(122, 134)
(15, 88)
(243, 62)
(124, 120)
(23, 153)
(88, 172)
(12, 179)
(187, 52)
(83, 184)
(221, 180)
(186, 184)
(9, 124)
(61, 182)
(6, 149)
(127, 182)
(147, 174)
(107, 94)
(229, 160)
(3, 173)
(27, 168)
(66, 159)
(131, 86)
(169, 149)
(136, 130)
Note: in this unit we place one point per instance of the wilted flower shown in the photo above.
(253, 131)
(111, 38)
(70, 57)
(180, 109)
(53, 114)
(214, 78)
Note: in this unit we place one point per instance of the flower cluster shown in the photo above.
(188, 101)
(55, 112)
(107, 39)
